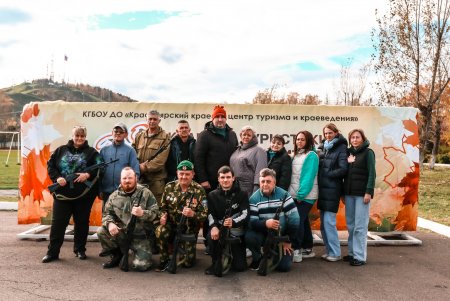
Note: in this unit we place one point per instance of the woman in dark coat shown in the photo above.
(279, 160)
(72, 198)
(332, 170)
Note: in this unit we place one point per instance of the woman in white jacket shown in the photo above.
(304, 190)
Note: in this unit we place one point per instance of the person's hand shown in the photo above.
(82, 177)
(188, 212)
(367, 198)
(228, 222)
(272, 224)
(137, 211)
(351, 159)
(142, 168)
(61, 181)
(287, 248)
(163, 219)
(113, 229)
(215, 233)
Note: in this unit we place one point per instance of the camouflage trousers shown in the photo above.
(165, 236)
(142, 251)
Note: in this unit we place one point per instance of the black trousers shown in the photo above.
(239, 262)
(62, 211)
(304, 238)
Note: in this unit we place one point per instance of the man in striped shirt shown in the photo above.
(263, 205)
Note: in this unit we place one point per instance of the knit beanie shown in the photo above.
(219, 110)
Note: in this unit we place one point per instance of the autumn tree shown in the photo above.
(271, 96)
(352, 84)
(413, 51)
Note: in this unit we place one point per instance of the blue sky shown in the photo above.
(187, 51)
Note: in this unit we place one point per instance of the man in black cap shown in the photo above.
(117, 150)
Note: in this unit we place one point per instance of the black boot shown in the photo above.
(115, 260)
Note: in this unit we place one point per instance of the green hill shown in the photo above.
(12, 99)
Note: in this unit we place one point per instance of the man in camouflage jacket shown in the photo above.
(147, 144)
(174, 203)
(119, 208)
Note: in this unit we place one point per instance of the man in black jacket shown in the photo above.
(213, 149)
(182, 148)
(228, 208)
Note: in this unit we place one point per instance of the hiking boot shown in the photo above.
(115, 260)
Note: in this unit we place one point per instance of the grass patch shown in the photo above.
(9, 175)
(8, 199)
(434, 195)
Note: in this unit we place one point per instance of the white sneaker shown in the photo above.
(332, 258)
(297, 256)
(324, 256)
(248, 253)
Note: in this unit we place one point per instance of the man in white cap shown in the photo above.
(117, 150)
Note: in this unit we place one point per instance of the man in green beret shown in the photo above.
(181, 197)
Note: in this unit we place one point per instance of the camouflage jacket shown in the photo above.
(118, 209)
(146, 146)
(174, 200)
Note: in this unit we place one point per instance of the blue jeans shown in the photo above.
(304, 238)
(329, 233)
(254, 241)
(357, 219)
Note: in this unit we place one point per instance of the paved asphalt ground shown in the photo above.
(392, 273)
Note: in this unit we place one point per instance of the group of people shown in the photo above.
(162, 185)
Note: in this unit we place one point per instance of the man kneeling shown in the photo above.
(228, 213)
(131, 199)
(264, 204)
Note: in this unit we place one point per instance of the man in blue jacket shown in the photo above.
(117, 150)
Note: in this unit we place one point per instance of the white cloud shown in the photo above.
(212, 51)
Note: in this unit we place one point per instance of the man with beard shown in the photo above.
(120, 207)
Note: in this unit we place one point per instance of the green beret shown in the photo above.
(185, 165)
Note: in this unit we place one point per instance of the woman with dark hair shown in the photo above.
(332, 170)
(304, 190)
(72, 198)
(279, 160)
(359, 186)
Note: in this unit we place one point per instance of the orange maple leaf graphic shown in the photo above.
(411, 126)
